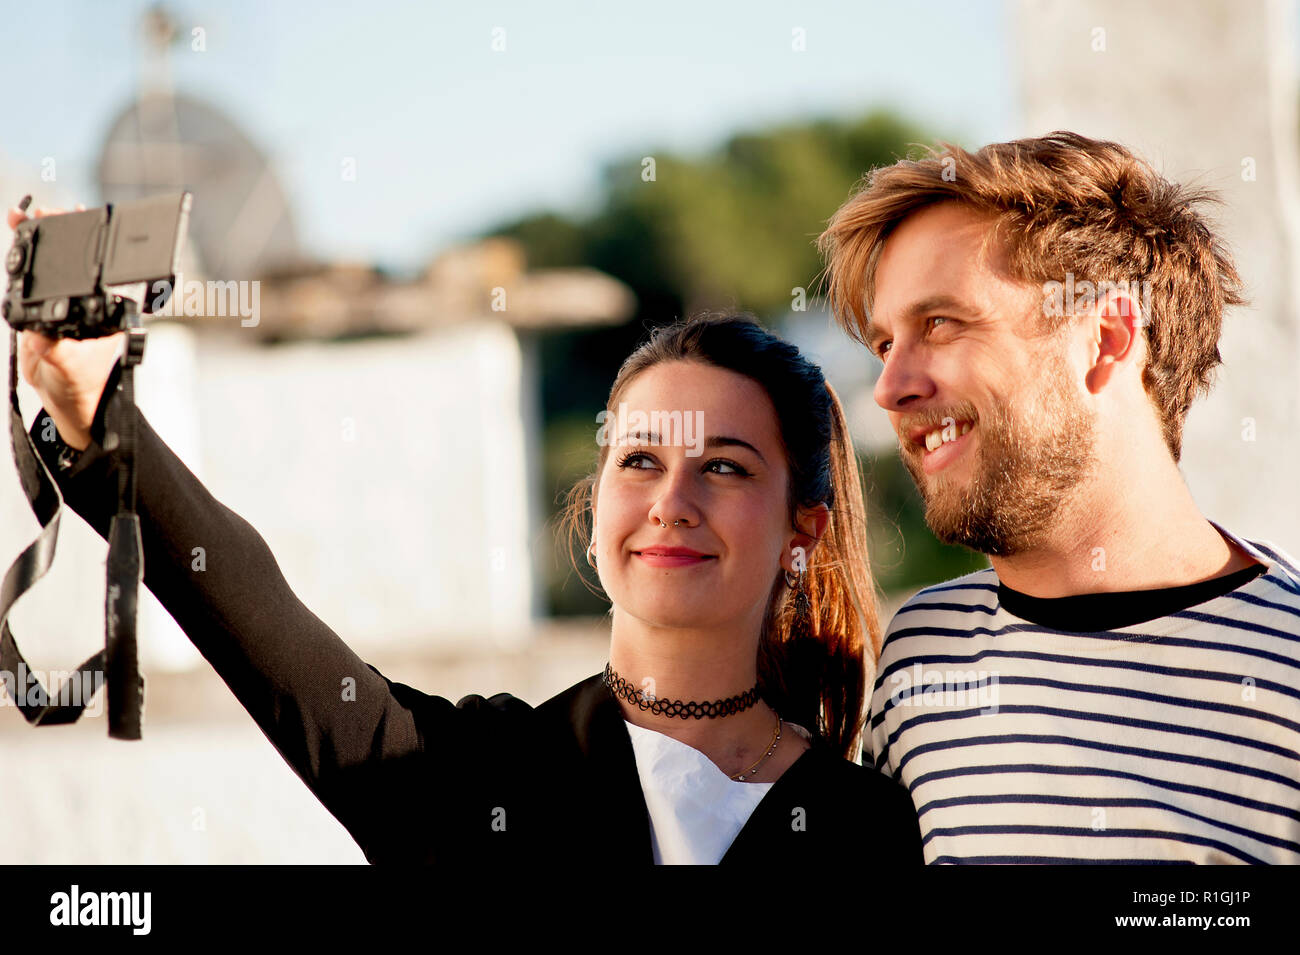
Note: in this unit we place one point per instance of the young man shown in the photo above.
(1123, 684)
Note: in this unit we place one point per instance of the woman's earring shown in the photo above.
(590, 557)
(801, 623)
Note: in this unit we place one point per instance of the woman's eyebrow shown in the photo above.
(722, 441)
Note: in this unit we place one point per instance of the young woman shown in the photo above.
(727, 721)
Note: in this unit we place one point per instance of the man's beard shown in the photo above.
(1025, 466)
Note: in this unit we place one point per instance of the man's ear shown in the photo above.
(1115, 329)
(813, 522)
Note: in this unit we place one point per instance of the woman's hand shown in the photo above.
(68, 374)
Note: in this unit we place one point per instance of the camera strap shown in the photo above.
(117, 664)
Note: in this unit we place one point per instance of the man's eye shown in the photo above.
(884, 347)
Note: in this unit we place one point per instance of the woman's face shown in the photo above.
(722, 474)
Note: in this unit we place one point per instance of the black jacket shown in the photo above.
(414, 777)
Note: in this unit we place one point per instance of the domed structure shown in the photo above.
(240, 223)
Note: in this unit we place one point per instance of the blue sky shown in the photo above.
(449, 136)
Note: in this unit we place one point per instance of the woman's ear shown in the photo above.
(813, 522)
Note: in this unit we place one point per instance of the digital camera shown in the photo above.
(60, 267)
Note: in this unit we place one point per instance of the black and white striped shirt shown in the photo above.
(1172, 740)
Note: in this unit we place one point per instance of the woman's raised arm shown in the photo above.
(355, 738)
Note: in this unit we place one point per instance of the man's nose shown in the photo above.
(904, 380)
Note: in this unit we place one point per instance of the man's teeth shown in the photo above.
(936, 437)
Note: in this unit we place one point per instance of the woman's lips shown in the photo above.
(672, 557)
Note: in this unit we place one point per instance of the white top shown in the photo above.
(696, 810)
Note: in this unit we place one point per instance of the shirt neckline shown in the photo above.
(1115, 610)
(710, 765)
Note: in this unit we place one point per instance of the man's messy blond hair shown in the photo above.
(1062, 204)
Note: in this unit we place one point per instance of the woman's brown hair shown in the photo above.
(815, 676)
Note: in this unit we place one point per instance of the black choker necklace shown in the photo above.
(683, 708)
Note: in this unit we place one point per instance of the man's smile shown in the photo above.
(941, 451)
(940, 444)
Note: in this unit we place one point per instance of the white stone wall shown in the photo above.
(1207, 91)
(186, 795)
(387, 475)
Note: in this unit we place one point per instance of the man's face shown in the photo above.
(992, 421)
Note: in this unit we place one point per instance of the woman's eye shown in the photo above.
(632, 460)
(735, 468)
(938, 318)
(884, 347)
